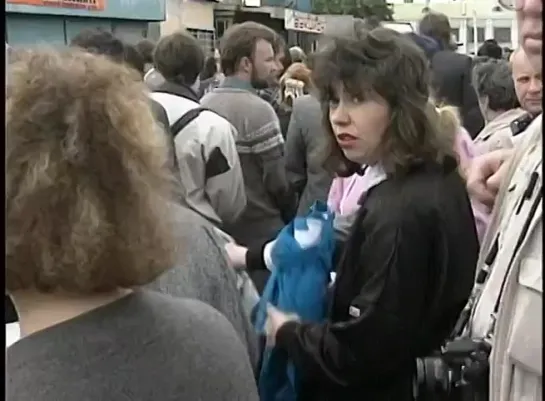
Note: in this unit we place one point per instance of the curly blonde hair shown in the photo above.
(88, 189)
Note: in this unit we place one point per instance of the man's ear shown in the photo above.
(245, 64)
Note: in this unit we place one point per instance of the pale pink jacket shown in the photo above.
(345, 192)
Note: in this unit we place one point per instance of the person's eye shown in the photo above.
(333, 103)
(357, 99)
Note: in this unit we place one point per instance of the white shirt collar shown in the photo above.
(374, 175)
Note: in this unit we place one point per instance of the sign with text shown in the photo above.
(303, 22)
(85, 4)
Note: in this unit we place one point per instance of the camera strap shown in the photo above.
(463, 324)
(520, 242)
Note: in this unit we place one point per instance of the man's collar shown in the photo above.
(237, 83)
(178, 90)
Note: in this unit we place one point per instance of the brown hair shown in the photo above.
(239, 41)
(437, 26)
(179, 57)
(385, 63)
(88, 189)
(146, 48)
(300, 72)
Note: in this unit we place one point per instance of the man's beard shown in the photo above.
(256, 82)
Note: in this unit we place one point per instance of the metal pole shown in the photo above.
(475, 31)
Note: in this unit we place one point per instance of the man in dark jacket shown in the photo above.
(452, 73)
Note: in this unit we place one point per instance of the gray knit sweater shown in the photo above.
(144, 347)
(270, 201)
(203, 274)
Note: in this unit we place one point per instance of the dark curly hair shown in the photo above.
(385, 63)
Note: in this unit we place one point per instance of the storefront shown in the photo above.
(56, 22)
(197, 17)
(304, 29)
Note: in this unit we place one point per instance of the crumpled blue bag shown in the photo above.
(302, 259)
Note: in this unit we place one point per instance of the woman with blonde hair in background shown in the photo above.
(90, 202)
(295, 82)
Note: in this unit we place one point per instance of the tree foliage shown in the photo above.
(380, 9)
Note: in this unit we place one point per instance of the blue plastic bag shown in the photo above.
(302, 256)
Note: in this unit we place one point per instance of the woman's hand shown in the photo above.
(236, 255)
(275, 320)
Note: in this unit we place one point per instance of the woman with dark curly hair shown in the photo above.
(407, 268)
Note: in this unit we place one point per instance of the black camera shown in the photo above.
(458, 372)
(519, 125)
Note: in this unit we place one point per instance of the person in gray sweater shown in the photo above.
(145, 346)
(304, 153)
(203, 273)
(91, 219)
(247, 60)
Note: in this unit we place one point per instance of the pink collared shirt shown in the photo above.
(345, 193)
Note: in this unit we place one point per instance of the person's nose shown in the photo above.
(536, 85)
(339, 116)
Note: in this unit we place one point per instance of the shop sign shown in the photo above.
(304, 22)
(79, 4)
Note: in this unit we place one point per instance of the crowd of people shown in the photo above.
(146, 185)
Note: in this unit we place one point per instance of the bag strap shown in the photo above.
(185, 119)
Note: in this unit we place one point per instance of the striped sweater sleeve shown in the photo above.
(264, 140)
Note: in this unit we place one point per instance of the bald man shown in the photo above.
(528, 83)
(507, 303)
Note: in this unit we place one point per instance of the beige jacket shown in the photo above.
(516, 371)
(497, 133)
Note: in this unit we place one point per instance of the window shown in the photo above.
(480, 34)
(502, 35)
(221, 25)
(206, 39)
(455, 34)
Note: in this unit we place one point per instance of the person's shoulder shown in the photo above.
(213, 120)
(448, 59)
(186, 308)
(203, 330)
(181, 311)
(212, 96)
(262, 106)
(306, 103)
(421, 192)
(198, 239)
(202, 270)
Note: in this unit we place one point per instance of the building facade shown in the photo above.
(472, 21)
(197, 16)
(56, 22)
